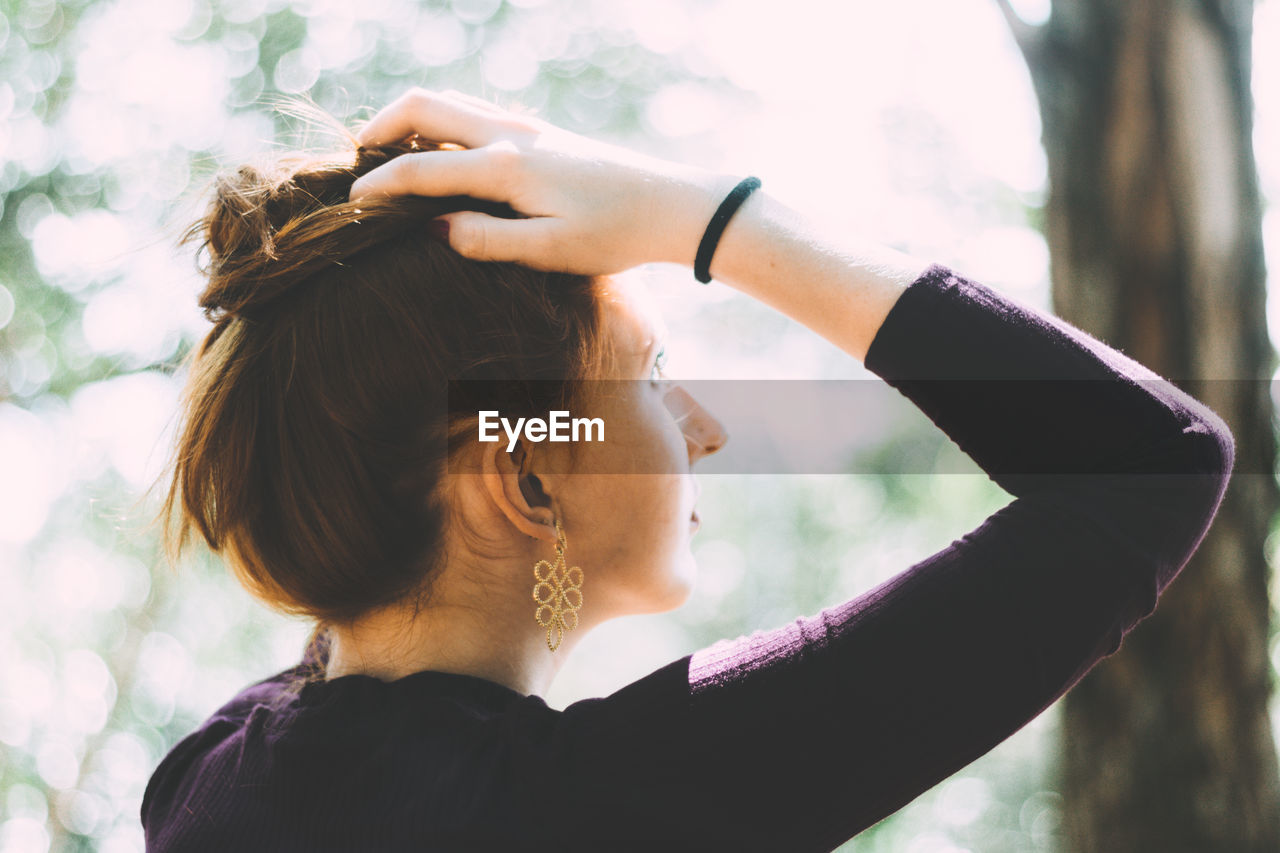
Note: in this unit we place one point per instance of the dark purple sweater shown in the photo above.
(792, 739)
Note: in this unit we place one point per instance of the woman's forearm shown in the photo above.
(840, 288)
(597, 209)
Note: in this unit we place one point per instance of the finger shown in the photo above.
(479, 103)
(431, 116)
(481, 237)
(478, 172)
(517, 112)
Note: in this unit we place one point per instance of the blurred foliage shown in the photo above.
(113, 116)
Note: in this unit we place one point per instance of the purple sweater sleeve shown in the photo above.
(798, 738)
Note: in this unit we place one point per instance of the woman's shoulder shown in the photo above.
(289, 721)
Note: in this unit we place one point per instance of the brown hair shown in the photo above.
(316, 420)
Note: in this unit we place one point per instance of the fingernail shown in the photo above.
(439, 229)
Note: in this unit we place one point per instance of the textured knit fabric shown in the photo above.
(792, 739)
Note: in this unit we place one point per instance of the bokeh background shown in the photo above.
(913, 123)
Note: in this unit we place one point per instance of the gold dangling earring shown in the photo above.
(560, 583)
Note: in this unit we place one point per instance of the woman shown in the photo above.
(449, 586)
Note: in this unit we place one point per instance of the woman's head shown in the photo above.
(317, 421)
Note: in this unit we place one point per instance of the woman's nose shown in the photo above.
(702, 431)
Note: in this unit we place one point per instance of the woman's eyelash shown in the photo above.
(659, 361)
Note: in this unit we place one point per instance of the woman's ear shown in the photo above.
(518, 494)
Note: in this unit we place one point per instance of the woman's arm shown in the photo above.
(796, 738)
(599, 209)
(838, 287)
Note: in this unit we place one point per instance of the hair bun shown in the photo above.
(271, 226)
(247, 230)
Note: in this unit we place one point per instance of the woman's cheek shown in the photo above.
(675, 449)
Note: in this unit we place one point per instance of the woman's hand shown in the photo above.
(594, 208)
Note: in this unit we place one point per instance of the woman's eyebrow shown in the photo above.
(656, 343)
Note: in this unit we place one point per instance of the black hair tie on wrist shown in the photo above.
(710, 239)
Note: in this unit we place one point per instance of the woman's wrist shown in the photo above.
(838, 286)
(680, 210)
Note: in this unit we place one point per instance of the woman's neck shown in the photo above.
(499, 643)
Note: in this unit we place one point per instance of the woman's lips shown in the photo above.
(694, 520)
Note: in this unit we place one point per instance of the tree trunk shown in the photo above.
(1153, 221)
